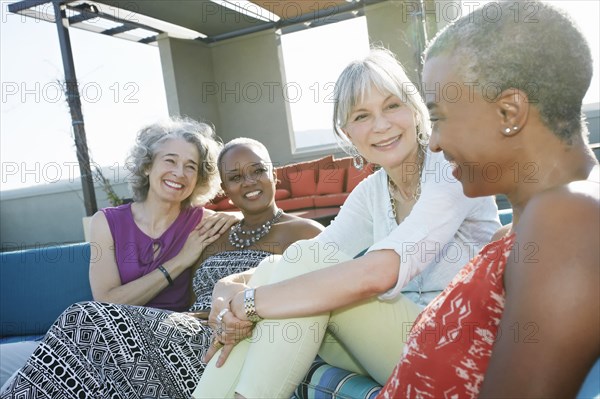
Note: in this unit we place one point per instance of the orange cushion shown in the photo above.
(355, 176)
(331, 181)
(303, 182)
(282, 193)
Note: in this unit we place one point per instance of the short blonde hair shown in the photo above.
(381, 69)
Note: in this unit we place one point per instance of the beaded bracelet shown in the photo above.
(166, 273)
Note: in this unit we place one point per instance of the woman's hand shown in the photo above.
(218, 222)
(237, 306)
(228, 330)
(197, 241)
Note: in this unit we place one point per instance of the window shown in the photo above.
(313, 59)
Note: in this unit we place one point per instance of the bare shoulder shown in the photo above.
(100, 233)
(300, 228)
(99, 223)
(572, 208)
(557, 237)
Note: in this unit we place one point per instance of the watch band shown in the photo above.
(249, 306)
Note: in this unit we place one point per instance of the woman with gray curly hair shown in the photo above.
(106, 350)
(151, 243)
(146, 249)
(200, 135)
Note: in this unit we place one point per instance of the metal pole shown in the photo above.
(72, 93)
(421, 38)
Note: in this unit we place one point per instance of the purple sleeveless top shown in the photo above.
(135, 256)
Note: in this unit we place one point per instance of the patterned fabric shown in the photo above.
(137, 254)
(218, 266)
(450, 344)
(327, 382)
(100, 350)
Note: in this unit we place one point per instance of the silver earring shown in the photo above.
(515, 128)
(358, 161)
(507, 130)
(422, 138)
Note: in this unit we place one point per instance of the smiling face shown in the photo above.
(248, 178)
(174, 170)
(467, 128)
(382, 128)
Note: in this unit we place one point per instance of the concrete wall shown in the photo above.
(249, 83)
(391, 26)
(47, 214)
(239, 85)
(188, 73)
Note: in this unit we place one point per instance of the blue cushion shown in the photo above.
(591, 385)
(20, 338)
(36, 285)
(324, 382)
(505, 216)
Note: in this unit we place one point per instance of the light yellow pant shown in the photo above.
(366, 338)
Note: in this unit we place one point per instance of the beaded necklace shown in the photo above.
(236, 235)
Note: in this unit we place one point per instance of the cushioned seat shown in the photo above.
(325, 381)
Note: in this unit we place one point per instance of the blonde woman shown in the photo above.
(412, 216)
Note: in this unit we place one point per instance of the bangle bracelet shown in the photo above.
(249, 307)
(166, 273)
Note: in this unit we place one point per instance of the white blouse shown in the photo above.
(444, 230)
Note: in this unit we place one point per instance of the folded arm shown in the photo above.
(326, 289)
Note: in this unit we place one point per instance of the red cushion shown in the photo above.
(283, 172)
(225, 204)
(303, 182)
(282, 193)
(324, 201)
(210, 206)
(331, 180)
(355, 176)
(291, 204)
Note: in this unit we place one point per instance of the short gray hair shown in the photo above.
(148, 140)
(381, 69)
(531, 46)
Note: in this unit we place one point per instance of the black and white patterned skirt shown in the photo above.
(99, 350)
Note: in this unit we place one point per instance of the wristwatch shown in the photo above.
(249, 307)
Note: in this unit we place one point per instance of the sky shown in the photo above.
(122, 89)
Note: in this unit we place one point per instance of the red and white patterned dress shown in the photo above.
(450, 344)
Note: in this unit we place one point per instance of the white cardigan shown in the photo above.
(444, 230)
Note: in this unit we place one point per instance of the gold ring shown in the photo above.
(218, 344)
